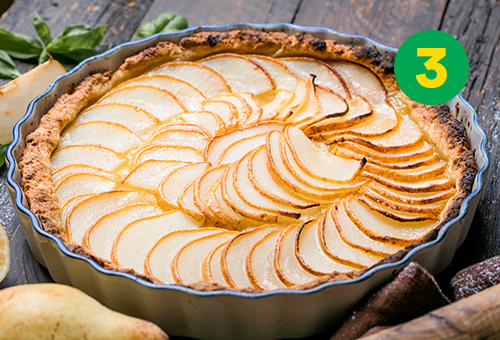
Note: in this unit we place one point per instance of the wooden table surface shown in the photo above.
(476, 24)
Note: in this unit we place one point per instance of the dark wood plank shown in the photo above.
(227, 11)
(389, 22)
(476, 24)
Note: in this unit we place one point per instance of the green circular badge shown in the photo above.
(431, 67)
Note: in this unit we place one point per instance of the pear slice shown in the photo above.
(159, 103)
(235, 201)
(264, 183)
(254, 198)
(430, 185)
(99, 238)
(67, 207)
(325, 75)
(281, 74)
(90, 155)
(409, 198)
(173, 184)
(311, 255)
(299, 100)
(189, 96)
(186, 265)
(286, 263)
(433, 170)
(359, 111)
(241, 147)
(424, 151)
(132, 245)
(241, 73)
(260, 269)
(160, 258)
(73, 169)
(211, 268)
(83, 184)
(255, 108)
(17, 94)
(186, 203)
(226, 111)
(202, 186)
(272, 109)
(169, 153)
(318, 162)
(89, 211)
(149, 174)
(362, 81)
(181, 135)
(225, 216)
(353, 236)
(309, 110)
(109, 135)
(218, 145)
(382, 228)
(242, 109)
(206, 80)
(333, 245)
(206, 120)
(232, 263)
(133, 118)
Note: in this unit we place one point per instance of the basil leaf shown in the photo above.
(7, 67)
(19, 46)
(3, 151)
(164, 22)
(41, 28)
(75, 38)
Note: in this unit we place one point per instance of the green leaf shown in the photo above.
(3, 151)
(76, 37)
(7, 67)
(41, 28)
(164, 22)
(19, 46)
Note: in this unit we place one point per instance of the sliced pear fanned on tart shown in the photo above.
(248, 168)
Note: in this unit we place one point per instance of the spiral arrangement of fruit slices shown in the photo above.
(248, 171)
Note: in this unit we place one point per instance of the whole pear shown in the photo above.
(55, 311)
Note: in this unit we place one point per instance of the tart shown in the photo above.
(246, 160)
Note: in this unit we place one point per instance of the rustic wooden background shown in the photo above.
(476, 24)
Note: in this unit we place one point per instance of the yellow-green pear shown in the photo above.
(55, 311)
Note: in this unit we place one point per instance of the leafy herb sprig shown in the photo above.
(3, 151)
(164, 22)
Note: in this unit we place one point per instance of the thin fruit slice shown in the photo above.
(169, 153)
(134, 242)
(202, 185)
(67, 207)
(282, 98)
(255, 108)
(218, 145)
(281, 74)
(241, 147)
(212, 271)
(432, 170)
(159, 103)
(73, 169)
(89, 211)
(160, 258)
(133, 118)
(209, 82)
(4, 253)
(336, 248)
(325, 75)
(186, 203)
(300, 99)
(260, 269)
(242, 109)
(409, 198)
(149, 174)
(83, 184)
(109, 135)
(90, 155)
(189, 96)
(265, 184)
(353, 236)
(382, 228)
(312, 256)
(234, 253)
(287, 265)
(209, 121)
(226, 111)
(187, 267)
(430, 185)
(181, 135)
(99, 238)
(173, 184)
(241, 73)
(225, 216)
(309, 110)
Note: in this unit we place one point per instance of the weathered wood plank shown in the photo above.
(226, 11)
(476, 24)
(389, 22)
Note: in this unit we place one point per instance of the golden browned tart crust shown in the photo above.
(436, 121)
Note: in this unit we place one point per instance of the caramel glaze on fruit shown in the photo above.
(436, 122)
